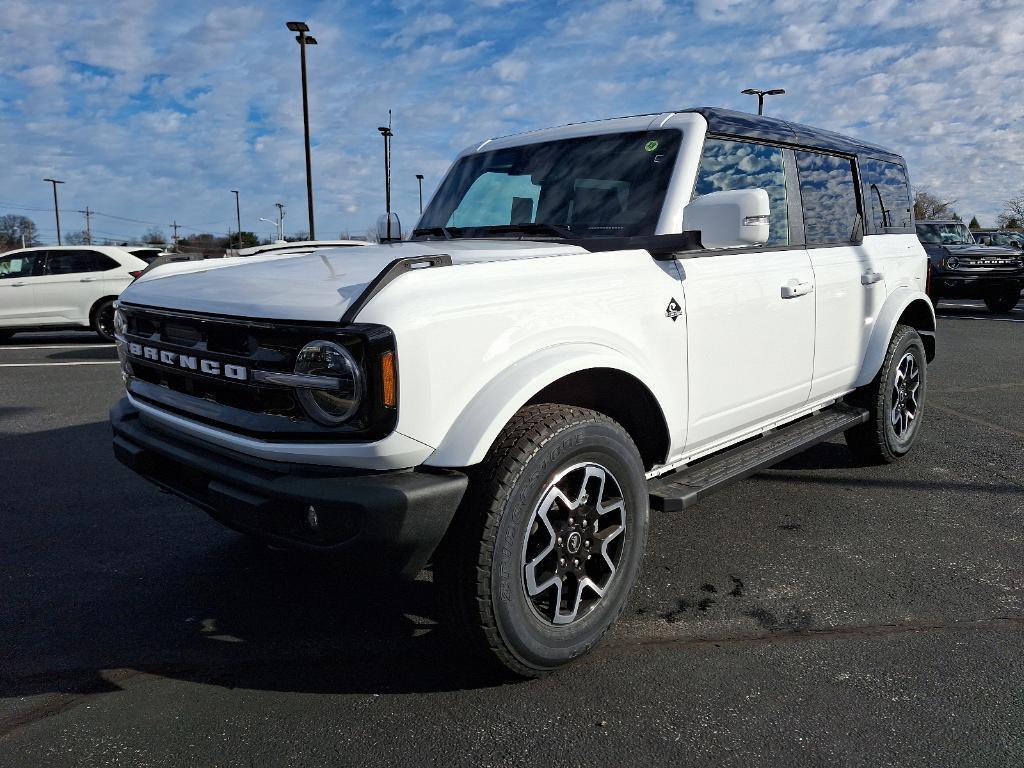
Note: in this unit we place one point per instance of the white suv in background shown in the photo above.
(63, 287)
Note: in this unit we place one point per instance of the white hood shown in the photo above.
(316, 286)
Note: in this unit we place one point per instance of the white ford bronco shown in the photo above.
(588, 322)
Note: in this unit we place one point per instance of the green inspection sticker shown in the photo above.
(650, 146)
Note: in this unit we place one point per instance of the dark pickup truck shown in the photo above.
(962, 268)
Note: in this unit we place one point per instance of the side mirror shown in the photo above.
(730, 219)
(389, 228)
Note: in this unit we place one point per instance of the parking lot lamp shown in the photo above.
(238, 218)
(419, 178)
(761, 94)
(385, 131)
(56, 209)
(304, 40)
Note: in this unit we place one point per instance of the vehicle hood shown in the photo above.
(314, 286)
(972, 251)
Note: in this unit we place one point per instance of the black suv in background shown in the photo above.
(962, 268)
(1008, 239)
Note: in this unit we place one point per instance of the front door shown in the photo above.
(17, 292)
(749, 312)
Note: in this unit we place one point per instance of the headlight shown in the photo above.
(336, 382)
(952, 262)
(120, 323)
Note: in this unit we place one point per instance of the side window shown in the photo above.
(17, 265)
(74, 262)
(727, 164)
(496, 199)
(886, 195)
(829, 197)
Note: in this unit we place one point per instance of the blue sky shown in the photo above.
(153, 110)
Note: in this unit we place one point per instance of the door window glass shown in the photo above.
(886, 194)
(829, 197)
(74, 262)
(727, 165)
(17, 265)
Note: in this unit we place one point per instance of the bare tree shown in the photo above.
(1012, 216)
(13, 228)
(929, 206)
(154, 235)
(80, 237)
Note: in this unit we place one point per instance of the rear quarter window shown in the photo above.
(886, 196)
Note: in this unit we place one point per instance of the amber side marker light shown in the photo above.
(387, 378)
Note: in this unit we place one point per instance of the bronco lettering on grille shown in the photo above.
(188, 362)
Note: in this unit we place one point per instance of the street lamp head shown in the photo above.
(308, 39)
(750, 92)
(419, 176)
(385, 131)
(235, 191)
(54, 181)
(298, 26)
(775, 92)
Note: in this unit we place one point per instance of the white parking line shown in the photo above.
(47, 365)
(61, 346)
(967, 317)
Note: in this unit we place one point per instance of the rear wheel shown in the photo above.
(103, 319)
(1001, 303)
(548, 543)
(894, 400)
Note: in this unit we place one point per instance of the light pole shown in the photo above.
(419, 178)
(304, 40)
(56, 209)
(238, 218)
(761, 94)
(385, 131)
(280, 221)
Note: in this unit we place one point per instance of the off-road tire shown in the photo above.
(876, 440)
(480, 564)
(1002, 303)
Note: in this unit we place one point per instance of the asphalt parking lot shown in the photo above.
(819, 613)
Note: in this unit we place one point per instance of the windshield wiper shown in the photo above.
(530, 228)
(445, 232)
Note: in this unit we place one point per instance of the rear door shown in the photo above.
(849, 275)
(750, 311)
(71, 282)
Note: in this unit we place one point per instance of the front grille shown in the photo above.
(245, 406)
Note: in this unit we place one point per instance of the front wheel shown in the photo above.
(1001, 303)
(103, 319)
(894, 400)
(546, 547)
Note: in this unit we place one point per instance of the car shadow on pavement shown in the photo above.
(105, 575)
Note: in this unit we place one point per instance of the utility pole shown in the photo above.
(280, 222)
(761, 94)
(385, 131)
(419, 178)
(56, 209)
(175, 226)
(238, 218)
(303, 40)
(88, 225)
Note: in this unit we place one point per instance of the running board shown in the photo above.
(684, 487)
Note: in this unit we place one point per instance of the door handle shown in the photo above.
(87, 280)
(795, 288)
(871, 277)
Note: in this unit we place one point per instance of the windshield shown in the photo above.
(951, 233)
(592, 186)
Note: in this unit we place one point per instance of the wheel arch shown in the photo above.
(583, 375)
(903, 307)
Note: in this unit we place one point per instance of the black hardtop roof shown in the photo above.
(728, 122)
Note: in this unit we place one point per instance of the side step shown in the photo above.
(683, 488)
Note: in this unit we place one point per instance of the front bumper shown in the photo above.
(388, 520)
(954, 285)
